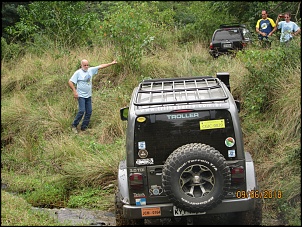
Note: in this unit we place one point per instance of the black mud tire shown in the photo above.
(196, 177)
(119, 218)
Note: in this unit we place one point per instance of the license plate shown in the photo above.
(150, 212)
(211, 124)
(179, 212)
(227, 45)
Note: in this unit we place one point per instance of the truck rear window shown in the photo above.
(161, 134)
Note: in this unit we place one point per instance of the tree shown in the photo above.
(66, 23)
(10, 15)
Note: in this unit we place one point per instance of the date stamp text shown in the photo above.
(259, 194)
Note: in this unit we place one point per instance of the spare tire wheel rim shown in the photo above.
(196, 177)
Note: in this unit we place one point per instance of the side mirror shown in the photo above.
(238, 105)
(124, 113)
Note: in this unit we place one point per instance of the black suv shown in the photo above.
(185, 154)
(229, 38)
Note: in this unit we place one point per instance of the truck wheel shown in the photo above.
(196, 177)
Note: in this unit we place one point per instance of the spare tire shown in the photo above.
(196, 177)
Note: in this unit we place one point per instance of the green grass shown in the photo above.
(48, 166)
(16, 211)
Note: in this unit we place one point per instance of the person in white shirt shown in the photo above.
(289, 29)
(82, 78)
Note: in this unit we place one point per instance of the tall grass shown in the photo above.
(272, 124)
(14, 214)
(49, 166)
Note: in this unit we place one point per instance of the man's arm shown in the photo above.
(277, 22)
(257, 27)
(102, 66)
(274, 25)
(275, 28)
(297, 32)
(74, 90)
(258, 30)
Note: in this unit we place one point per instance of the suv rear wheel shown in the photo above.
(196, 177)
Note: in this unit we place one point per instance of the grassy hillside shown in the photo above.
(49, 166)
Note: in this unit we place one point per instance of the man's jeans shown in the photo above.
(85, 107)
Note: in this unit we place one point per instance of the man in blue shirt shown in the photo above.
(289, 29)
(82, 78)
(265, 26)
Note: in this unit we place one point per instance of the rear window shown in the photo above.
(227, 34)
(161, 134)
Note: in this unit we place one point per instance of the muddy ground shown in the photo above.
(81, 216)
(101, 218)
(87, 217)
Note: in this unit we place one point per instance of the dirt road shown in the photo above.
(87, 217)
(81, 216)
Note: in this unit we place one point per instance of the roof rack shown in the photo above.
(232, 25)
(179, 90)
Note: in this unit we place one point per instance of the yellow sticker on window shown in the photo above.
(212, 124)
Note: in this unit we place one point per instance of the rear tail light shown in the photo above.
(211, 46)
(238, 175)
(136, 181)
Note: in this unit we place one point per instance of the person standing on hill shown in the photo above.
(265, 26)
(82, 78)
(289, 29)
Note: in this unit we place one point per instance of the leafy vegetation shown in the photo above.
(45, 165)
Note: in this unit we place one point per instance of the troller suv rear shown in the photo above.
(185, 155)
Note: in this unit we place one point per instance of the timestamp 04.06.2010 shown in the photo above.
(261, 194)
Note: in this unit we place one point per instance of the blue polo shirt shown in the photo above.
(266, 26)
(83, 80)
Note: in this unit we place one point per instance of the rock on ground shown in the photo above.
(82, 216)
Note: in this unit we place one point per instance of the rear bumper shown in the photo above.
(166, 210)
(213, 53)
(221, 52)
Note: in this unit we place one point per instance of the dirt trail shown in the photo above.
(81, 216)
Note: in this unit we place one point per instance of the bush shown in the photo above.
(11, 51)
